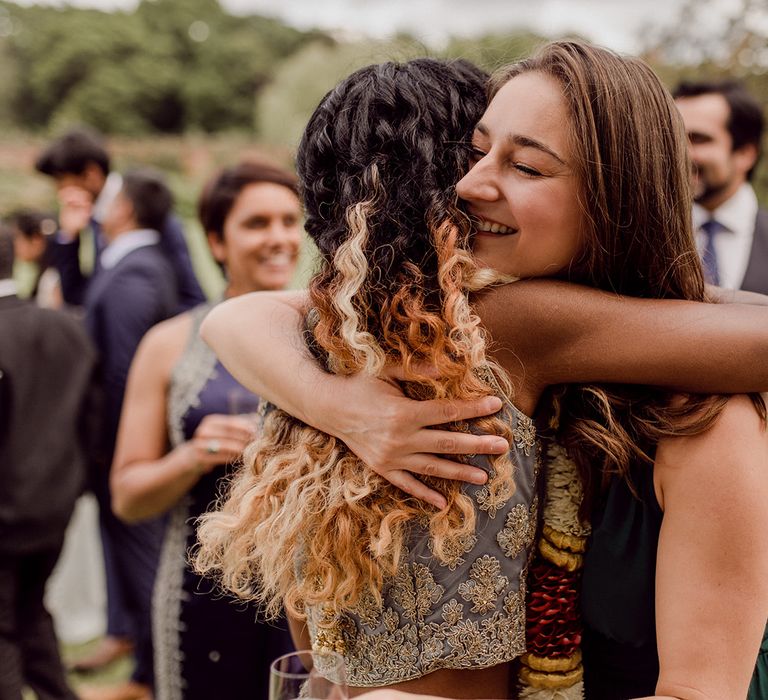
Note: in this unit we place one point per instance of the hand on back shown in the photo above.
(393, 434)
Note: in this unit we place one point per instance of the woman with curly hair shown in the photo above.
(369, 569)
(543, 201)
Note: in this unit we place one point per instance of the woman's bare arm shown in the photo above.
(712, 562)
(562, 333)
(552, 332)
(146, 479)
(735, 296)
(258, 339)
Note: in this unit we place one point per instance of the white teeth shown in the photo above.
(279, 259)
(493, 227)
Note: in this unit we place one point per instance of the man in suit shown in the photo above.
(80, 167)
(132, 290)
(725, 127)
(46, 367)
(79, 164)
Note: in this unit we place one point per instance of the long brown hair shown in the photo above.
(631, 158)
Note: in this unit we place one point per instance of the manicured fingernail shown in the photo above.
(439, 503)
(478, 476)
(500, 445)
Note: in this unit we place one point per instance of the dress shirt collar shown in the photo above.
(126, 243)
(737, 213)
(8, 288)
(112, 186)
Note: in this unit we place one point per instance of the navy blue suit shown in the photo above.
(121, 304)
(173, 244)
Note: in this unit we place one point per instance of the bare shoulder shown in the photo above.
(738, 428)
(163, 343)
(731, 455)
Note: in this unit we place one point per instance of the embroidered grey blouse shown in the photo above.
(466, 614)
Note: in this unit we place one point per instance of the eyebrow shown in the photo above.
(524, 142)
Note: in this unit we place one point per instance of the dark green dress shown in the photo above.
(618, 599)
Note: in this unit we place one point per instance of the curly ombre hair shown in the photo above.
(305, 522)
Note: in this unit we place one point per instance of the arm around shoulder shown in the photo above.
(561, 333)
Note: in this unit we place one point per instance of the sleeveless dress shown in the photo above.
(466, 614)
(207, 645)
(618, 597)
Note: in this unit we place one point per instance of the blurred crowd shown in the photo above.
(112, 266)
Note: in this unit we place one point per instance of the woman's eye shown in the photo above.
(527, 170)
(476, 154)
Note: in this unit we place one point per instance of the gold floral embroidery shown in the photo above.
(453, 611)
(415, 591)
(524, 433)
(493, 500)
(430, 619)
(514, 602)
(485, 585)
(519, 529)
(369, 609)
(455, 551)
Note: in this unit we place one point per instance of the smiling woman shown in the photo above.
(522, 188)
(258, 245)
(178, 393)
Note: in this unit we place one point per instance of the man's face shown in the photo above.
(718, 169)
(91, 180)
(119, 217)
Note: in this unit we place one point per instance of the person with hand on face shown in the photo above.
(206, 644)
(133, 289)
(79, 164)
(725, 129)
(558, 189)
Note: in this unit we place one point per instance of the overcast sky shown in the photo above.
(614, 23)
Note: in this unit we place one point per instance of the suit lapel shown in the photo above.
(756, 276)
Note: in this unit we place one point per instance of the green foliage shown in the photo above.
(167, 67)
(494, 50)
(283, 107)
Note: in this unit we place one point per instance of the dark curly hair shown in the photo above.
(377, 167)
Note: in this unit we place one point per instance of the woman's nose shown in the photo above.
(478, 184)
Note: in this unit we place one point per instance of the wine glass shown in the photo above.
(242, 402)
(310, 675)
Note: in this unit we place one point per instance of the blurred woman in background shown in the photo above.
(179, 394)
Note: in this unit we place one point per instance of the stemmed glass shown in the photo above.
(310, 675)
(242, 402)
